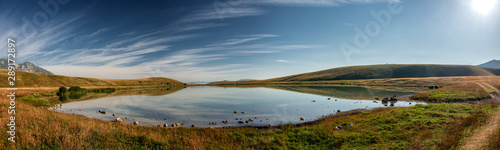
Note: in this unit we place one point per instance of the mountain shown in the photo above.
(27, 66)
(387, 71)
(491, 64)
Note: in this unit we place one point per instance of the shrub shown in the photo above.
(75, 89)
(63, 89)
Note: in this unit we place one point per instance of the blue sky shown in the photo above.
(245, 39)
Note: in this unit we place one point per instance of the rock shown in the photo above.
(136, 122)
(118, 120)
(301, 119)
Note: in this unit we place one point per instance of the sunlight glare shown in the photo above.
(483, 6)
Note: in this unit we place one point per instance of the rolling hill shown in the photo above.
(30, 79)
(387, 71)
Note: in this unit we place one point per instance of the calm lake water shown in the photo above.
(201, 105)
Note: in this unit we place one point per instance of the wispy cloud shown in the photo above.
(244, 39)
(100, 31)
(223, 12)
(282, 61)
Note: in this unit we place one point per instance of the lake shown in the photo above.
(201, 105)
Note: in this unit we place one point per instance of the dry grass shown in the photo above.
(30, 80)
(395, 128)
(494, 140)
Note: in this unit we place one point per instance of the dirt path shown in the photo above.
(482, 135)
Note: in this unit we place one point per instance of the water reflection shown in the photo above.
(202, 106)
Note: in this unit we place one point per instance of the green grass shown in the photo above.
(434, 126)
(387, 71)
(458, 93)
(35, 100)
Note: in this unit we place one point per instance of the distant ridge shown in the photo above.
(387, 71)
(491, 64)
(26, 66)
(31, 79)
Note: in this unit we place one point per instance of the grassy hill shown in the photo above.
(387, 71)
(495, 71)
(29, 79)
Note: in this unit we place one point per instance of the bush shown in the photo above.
(63, 89)
(432, 87)
(76, 89)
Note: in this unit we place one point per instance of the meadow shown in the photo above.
(434, 126)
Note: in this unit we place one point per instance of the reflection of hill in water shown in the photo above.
(129, 92)
(358, 93)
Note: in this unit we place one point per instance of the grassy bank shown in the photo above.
(423, 126)
(456, 93)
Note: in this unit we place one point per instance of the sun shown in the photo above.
(483, 6)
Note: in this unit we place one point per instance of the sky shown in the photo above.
(214, 40)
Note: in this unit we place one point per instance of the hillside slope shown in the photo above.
(387, 71)
(30, 79)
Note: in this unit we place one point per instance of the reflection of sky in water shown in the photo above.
(201, 105)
